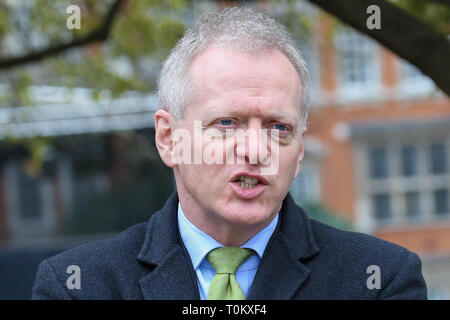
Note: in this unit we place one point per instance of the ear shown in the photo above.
(163, 136)
(301, 152)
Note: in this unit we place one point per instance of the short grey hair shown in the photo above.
(242, 28)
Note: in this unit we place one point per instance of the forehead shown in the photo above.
(223, 71)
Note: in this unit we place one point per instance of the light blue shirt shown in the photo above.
(199, 244)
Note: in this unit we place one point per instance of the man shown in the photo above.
(234, 89)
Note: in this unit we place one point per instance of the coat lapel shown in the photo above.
(280, 275)
(171, 280)
(173, 276)
(281, 272)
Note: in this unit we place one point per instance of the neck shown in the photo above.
(229, 235)
(226, 233)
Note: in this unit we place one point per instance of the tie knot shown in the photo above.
(228, 259)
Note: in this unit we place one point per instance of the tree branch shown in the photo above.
(401, 33)
(100, 34)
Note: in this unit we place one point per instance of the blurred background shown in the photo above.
(77, 155)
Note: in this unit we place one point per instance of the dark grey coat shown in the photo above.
(304, 259)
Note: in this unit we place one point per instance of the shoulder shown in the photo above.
(102, 266)
(116, 248)
(355, 255)
(329, 238)
(349, 247)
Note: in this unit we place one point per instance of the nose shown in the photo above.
(252, 144)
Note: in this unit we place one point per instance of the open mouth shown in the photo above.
(248, 186)
(247, 182)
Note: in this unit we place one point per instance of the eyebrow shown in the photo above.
(240, 112)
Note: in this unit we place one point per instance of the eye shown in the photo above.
(280, 127)
(225, 122)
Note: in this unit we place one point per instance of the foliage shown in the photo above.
(143, 32)
(430, 12)
(292, 15)
(141, 36)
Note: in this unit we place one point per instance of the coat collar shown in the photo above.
(281, 271)
(173, 276)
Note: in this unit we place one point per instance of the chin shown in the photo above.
(246, 215)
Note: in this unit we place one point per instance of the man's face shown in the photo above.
(235, 90)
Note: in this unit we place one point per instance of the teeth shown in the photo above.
(248, 180)
(246, 185)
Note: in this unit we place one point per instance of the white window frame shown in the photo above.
(396, 184)
(362, 91)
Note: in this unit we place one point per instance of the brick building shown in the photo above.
(384, 134)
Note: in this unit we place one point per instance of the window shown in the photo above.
(412, 202)
(441, 201)
(396, 184)
(438, 158)
(381, 204)
(378, 162)
(306, 186)
(409, 160)
(310, 57)
(356, 58)
(410, 72)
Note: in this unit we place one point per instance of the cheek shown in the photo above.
(204, 178)
(289, 164)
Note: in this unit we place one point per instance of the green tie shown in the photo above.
(226, 261)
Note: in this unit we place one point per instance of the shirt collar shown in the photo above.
(199, 243)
